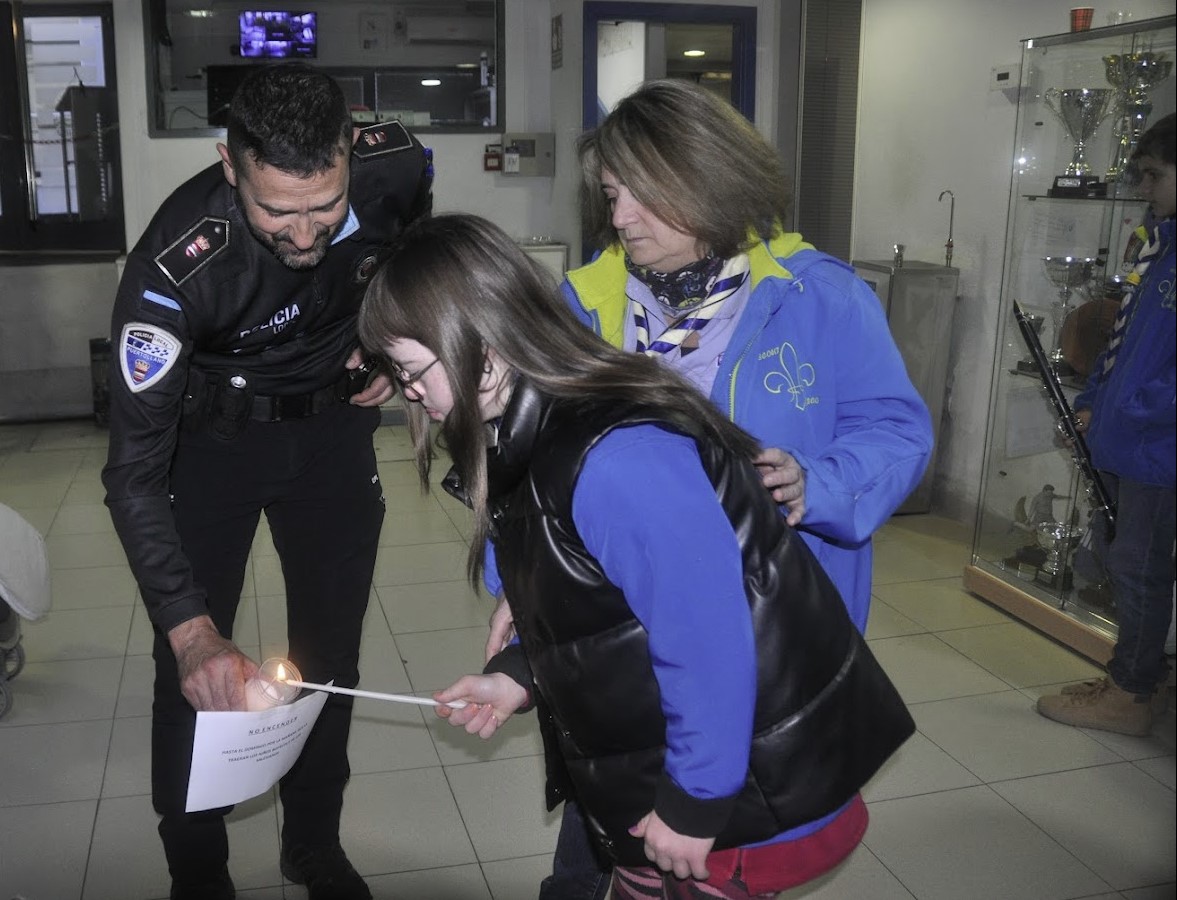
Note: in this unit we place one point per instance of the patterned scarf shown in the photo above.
(1133, 280)
(694, 312)
(682, 290)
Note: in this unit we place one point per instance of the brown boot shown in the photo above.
(1105, 706)
(1159, 701)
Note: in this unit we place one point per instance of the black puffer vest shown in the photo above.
(826, 715)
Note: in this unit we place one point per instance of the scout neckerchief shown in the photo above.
(689, 299)
(1143, 260)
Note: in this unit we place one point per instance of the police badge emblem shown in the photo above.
(146, 354)
(194, 249)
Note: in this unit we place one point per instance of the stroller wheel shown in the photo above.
(14, 661)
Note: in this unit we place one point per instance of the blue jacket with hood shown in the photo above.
(811, 368)
(1133, 430)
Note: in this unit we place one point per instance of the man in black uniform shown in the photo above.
(237, 386)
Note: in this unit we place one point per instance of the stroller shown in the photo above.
(24, 592)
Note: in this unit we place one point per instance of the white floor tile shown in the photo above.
(1000, 736)
(436, 659)
(90, 588)
(92, 518)
(885, 621)
(1019, 656)
(1080, 809)
(502, 804)
(969, 844)
(939, 605)
(860, 877)
(433, 607)
(924, 668)
(135, 689)
(127, 860)
(128, 768)
(420, 564)
(447, 883)
(402, 821)
(52, 763)
(64, 691)
(83, 551)
(25, 867)
(1161, 768)
(517, 879)
(388, 737)
(78, 634)
(918, 767)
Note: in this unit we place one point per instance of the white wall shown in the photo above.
(927, 123)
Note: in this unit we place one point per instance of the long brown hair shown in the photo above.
(459, 285)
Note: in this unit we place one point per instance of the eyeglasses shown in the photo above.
(407, 380)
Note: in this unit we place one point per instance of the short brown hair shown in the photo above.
(691, 159)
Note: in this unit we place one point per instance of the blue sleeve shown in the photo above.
(647, 512)
(882, 435)
(490, 572)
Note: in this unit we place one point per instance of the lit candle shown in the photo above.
(271, 686)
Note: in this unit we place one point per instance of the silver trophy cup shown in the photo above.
(1066, 273)
(1058, 540)
(1081, 110)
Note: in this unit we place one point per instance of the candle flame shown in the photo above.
(281, 672)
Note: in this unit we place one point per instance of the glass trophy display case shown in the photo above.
(1083, 101)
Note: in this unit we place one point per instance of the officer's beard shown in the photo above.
(289, 255)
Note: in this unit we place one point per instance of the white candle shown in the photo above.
(270, 686)
(373, 695)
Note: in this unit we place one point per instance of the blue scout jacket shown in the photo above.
(812, 369)
(1133, 430)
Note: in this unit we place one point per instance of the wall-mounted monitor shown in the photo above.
(269, 34)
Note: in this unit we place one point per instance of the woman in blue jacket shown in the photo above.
(688, 200)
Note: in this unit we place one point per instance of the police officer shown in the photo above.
(237, 386)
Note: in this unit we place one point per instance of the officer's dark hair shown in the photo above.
(290, 116)
(1160, 141)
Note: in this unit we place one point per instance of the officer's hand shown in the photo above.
(212, 670)
(1082, 420)
(785, 479)
(502, 629)
(380, 388)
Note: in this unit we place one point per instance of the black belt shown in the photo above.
(276, 408)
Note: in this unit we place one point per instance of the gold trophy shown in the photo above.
(1133, 75)
(1081, 110)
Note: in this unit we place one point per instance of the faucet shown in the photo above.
(951, 216)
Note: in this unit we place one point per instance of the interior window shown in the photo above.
(60, 178)
(435, 66)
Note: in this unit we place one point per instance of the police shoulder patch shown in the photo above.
(146, 354)
(194, 250)
(381, 138)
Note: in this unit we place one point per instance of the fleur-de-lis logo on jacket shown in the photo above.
(795, 376)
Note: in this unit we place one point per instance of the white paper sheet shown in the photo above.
(239, 755)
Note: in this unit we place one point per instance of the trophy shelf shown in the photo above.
(1091, 640)
(1083, 100)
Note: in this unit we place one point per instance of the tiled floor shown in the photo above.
(987, 801)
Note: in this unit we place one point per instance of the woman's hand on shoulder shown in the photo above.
(670, 851)
(784, 478)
